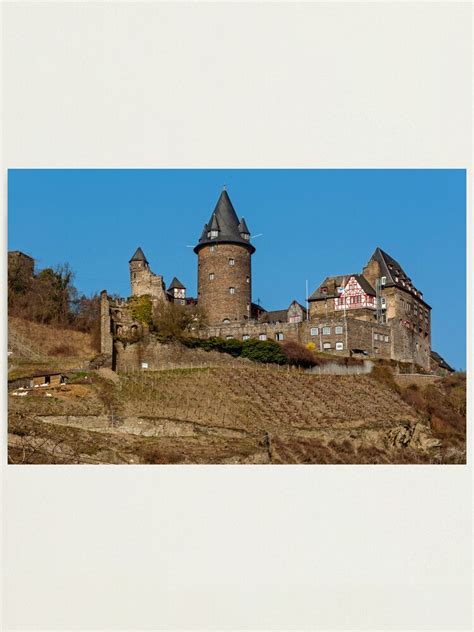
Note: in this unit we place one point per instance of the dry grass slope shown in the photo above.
(239, 414)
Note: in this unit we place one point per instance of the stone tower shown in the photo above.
(224, 266)
(143, 280)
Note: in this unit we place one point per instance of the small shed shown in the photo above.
(48, 378)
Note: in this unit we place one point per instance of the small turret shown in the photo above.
(142, 280)
(177, 291)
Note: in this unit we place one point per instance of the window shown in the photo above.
(232, 262)
(376, 336)
(383, 301)
(232, 290)
(248, 307)
(385, 338)
(245, 235)
(211, 276)
(212, 233)
(262, 336)
(247, 279)
(229, 337)
(279, 336)
(324, 290)
(212, 248)
(144, 365)
(327, 345)
(314, 331)
(326, 331)
(383, 280)
(226, 321)
(396, 279)
(245, 337)
(339, 346)
(339, 329)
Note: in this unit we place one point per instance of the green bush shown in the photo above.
(263, 351)
(256, 350)
(141, 309)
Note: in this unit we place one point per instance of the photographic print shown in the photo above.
(236, 317)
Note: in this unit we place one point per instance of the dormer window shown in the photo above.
(324, 290)
(212, 234)
(245, 236)
(383, 280)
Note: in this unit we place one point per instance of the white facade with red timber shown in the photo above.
(352, 296)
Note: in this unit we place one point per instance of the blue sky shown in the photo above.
(313, 223)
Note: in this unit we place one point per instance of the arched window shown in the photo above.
(226, 321)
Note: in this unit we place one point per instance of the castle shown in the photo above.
(377, 312)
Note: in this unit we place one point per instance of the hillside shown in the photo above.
(33, 345)
(238, 414)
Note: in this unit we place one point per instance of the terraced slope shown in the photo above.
(246, 414)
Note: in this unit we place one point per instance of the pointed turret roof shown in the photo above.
(224, 219)
(243, 228)
(176, 285)
(139, 255)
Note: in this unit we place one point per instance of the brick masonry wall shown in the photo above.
(214, 295)
(157, 356)
(411, 334)
(143, 281)
(106, 340)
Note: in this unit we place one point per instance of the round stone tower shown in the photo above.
(224, 266)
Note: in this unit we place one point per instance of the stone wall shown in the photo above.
(407, 379)
(410, 320)
(106, 339)
(144, 282)
(333, 368)
(355, 334)
(18, 260)
(215, 278)
(149, 354)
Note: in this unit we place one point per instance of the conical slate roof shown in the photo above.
(139, 256)
(224, 219)
(243, 226)
(176, 284)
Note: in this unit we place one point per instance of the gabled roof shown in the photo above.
(224, 219)
(364, 284)
(277, 315)
(176, 285)
(395, 274)
(139, 255)
(441, 361)
(391, 269)
(295, 302)
(338, 281)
